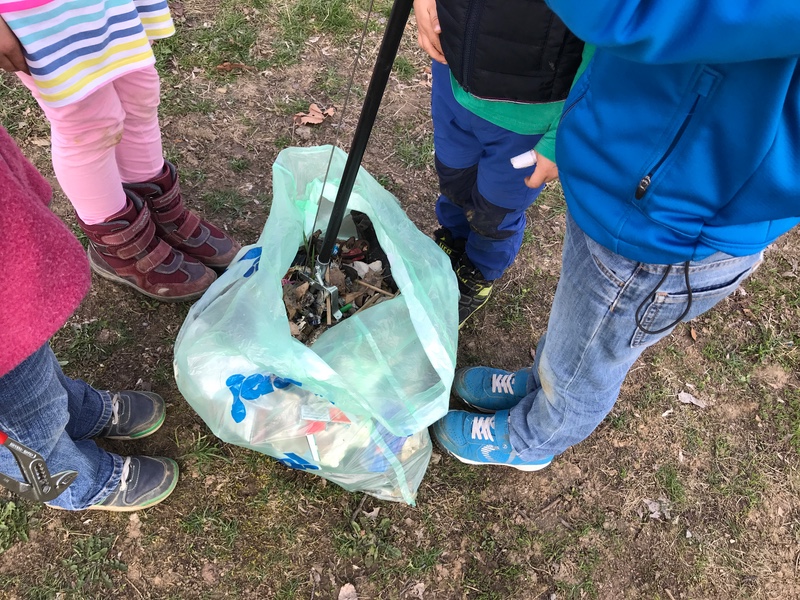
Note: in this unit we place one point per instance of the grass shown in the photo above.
(91, 340)
(90, 566)
(298, 21)
(514, 306)
(204, 452)
(207, 522)
(404, 69)
(228, 39)
(14, 523)
(415, 151)
(668, 479)
(371, 542)
(739, 479)
(239, 165)
(218, 201)
(783, 412)
(19, 113)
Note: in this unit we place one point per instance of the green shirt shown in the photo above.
(525, 119)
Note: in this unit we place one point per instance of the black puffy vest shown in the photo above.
(515, 50)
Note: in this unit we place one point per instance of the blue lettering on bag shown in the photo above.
(293, 461)
(253, 254)
(251, 388)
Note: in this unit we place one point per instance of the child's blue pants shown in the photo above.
(483, 198)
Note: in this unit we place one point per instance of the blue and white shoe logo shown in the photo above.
(251, 388)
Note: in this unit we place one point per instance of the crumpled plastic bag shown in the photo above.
(354, 406)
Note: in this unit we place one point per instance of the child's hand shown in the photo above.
(546, 171)
(11, 57)
(428, 29)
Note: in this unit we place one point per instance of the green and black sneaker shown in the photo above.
(452, 247)
(475, 290)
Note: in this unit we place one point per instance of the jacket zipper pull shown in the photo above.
(642, 188)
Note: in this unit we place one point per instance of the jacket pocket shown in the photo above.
(580, 89)
(703, 86)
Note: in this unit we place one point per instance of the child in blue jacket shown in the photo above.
(677, 152)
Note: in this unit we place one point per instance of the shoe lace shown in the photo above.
(115, 399)
(483, 428)
(126, 470)
(503, 383)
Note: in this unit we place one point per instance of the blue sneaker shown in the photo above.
(489, 390)
(481, 440)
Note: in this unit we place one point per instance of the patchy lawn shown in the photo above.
(666, 500)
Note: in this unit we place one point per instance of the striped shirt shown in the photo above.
(74, 47)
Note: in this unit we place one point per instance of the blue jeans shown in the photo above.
(483, 198)
(593, 339)
(56, 416)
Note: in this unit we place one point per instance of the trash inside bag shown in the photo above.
(354, 406)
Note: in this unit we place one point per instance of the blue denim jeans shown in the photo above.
(593, 339)
(56, 416)
(483, 197)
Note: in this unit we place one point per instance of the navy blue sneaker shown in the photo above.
(489, 390)
(134, 415)
(145, 481)
(481, 440)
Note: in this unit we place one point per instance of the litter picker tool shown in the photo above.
(395, 25)
(39, 485)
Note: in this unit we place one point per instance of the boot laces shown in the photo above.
(483, 428)
(126, 473)
(115, 399)
(503, 384)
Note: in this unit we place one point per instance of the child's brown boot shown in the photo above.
(180, 227)
(125, 249)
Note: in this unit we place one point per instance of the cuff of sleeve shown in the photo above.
(547, 147)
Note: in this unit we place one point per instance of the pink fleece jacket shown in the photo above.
(44, 272)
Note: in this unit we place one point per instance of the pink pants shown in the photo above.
(110, 137)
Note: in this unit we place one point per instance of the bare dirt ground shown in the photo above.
(665, 500)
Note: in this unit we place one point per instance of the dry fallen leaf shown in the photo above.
(229, 66)
(301, 290)
(687, 398)
(693, 333)
(134, 527)
(655, 509)
(348, 592)
(314, 116)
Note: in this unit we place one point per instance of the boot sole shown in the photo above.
(117, 279)
(476, 309)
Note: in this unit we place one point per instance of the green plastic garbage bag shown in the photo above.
(354, 407)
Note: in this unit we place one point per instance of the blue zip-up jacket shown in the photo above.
(682, 137)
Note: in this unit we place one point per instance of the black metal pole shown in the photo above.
(372, 101)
